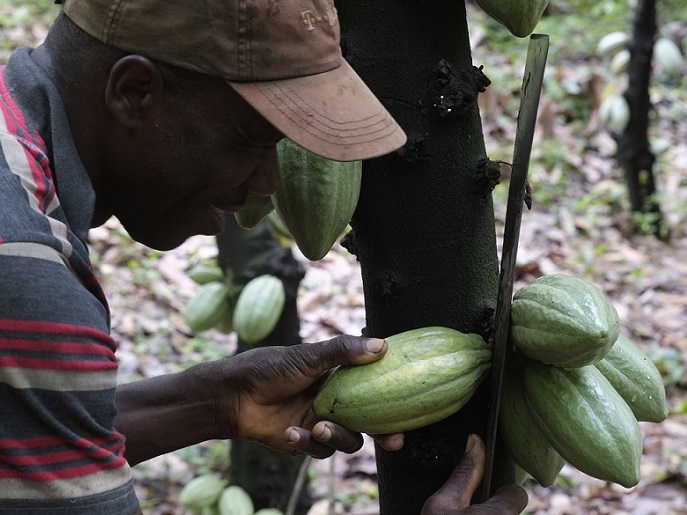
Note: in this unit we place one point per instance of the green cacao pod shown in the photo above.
(316, 198)
(254, 211)
(207, 306)
(203, 274)
(202, 491)
(269, 511)
(520, 17)
(524, 440)
(258, 308)
(636, 379)
(426, 375)
(564, 321)
(234, 500)
(585, 420)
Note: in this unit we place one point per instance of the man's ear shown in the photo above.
(133, 86)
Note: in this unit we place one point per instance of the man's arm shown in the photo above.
(264, 394)
(165, 413)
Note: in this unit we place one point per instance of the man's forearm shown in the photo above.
(166, 413)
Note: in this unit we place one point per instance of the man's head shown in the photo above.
(171, 143)
(282, 56)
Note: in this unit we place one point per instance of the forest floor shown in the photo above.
(579, 224)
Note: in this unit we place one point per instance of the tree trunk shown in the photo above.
(424, 228)
(267, 475)
(634, 149)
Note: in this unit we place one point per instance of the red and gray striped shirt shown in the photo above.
(59, 451)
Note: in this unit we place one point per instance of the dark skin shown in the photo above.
(169, 165)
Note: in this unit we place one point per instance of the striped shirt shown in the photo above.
(59, 451)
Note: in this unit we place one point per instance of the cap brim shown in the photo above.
(333, 114)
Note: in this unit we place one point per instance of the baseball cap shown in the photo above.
(282, 56)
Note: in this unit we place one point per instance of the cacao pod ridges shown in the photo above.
(426, 375)
(585, 420)
(562, 320)
(316, 198)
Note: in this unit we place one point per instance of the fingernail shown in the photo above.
(374, 345)
(293, 436)
(326, 434)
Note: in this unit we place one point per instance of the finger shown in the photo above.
(392, 442)
(301, 441)
(509, 499)
(342, 350)
(337, 437)
(467, 476)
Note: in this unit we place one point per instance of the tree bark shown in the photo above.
(634, 150)
(267, 475)
(424, 227)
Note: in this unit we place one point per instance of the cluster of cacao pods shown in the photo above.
(426, 375)
(576, 388)
(252, 310)
(315, 200)
(209, 495)
(614, 111)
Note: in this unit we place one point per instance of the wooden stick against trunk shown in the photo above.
(524, 136)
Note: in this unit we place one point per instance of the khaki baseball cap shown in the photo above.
(282, 56)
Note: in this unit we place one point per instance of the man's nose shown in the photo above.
(266, 177)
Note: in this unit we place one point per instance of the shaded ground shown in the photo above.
(579, 224)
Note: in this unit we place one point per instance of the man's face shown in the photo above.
(202, 153)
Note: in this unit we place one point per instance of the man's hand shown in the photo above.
(272, 390)
(453, 498)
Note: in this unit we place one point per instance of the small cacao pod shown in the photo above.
(234, 500)
(519, 17)
(585, 420)
(426, 375)
(522, 437)
(612, 43)
(258, 308)
(614, 112)
(316, 197)
(203, 274)
(636, 379)
(202, 491)
(564, 321)
(254, 211)
(668, 56)
(207, 307)
(269, 511)
(620, 61)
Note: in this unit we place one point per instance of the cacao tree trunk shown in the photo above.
(424, 228)
(634, 150)
(267, 475)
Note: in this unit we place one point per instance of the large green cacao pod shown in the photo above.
(636, 379)
(316, 198)
(202, 491)
(234, 500)
(520, 17)
(426, 375)
(585, 420)
(254, 211)
(207, 307)
(524, 440)
(564, 321)
(258, 308)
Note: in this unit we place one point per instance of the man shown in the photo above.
(164, 114)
